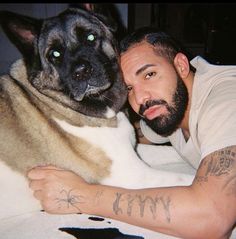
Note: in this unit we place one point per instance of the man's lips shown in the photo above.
(154, 111)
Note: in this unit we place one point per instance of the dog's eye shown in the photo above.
(91, 37)
(55, 56)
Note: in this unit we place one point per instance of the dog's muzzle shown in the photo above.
(85, 82)
(90, 90)
(82, 71)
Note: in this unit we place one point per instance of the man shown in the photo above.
(195, 110)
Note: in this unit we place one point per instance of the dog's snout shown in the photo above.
(82, 70)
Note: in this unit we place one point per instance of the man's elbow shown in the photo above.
(217, 227)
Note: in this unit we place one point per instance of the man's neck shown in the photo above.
(185, 122)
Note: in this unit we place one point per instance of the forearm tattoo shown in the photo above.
(222, 164)
(69, 199)
(98, 197)
(144, 204)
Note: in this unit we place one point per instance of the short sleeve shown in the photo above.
(217, 121)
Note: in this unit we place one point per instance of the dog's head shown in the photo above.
(72, 57)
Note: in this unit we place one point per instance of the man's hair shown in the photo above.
(164, 44)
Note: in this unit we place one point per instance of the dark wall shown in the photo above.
(206, 29)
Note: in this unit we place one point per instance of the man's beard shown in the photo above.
(165, 125)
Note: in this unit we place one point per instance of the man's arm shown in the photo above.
(206, 209)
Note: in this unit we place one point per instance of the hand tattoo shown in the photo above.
(69, 199)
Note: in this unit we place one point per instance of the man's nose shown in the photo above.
(141, 95)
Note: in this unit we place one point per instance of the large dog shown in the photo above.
(61, 105)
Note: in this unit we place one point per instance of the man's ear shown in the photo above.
(181, 63)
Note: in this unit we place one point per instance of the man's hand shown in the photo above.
(59, 191)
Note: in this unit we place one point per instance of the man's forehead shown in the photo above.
(138, 53)
(141, 46)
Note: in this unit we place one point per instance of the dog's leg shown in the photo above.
(127, 169)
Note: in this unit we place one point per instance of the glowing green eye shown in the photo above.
(56, 54)
(91, 37)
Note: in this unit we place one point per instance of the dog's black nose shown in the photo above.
(82, 70)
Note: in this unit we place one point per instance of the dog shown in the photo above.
(62, 104)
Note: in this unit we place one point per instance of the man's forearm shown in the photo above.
(173, 211)
(206, 209)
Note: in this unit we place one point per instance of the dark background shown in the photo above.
(206, 29)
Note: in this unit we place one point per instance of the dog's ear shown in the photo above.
(21, 30)
(104, 12)
(109, 22)
(110, 16)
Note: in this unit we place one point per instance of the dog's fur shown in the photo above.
(82, 87)
(61, 104)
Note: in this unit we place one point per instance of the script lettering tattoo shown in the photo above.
(201, 179)
(221, 164)
(116, 203)
(97, 197)
(218, 163)
(166, 205)
(69, 199)
(142, 202)
(130, 203)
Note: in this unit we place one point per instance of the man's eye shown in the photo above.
(129, 88)
(150, 74)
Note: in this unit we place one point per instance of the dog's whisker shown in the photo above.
(103, 96)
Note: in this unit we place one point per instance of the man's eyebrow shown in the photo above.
(143, 68)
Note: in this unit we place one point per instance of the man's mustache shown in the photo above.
(151, 103)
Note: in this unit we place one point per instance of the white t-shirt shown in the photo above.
(212, 120)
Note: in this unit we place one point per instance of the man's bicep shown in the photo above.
(221, 166)
(216, 179)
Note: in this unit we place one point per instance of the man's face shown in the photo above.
(156, 92)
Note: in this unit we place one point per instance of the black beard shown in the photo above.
(165, 125)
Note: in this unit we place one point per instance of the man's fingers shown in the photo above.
(40, 172)
(36, 184)
(49, 167)
(38, 194)
(36, 174)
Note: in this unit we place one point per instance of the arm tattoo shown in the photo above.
(221, 163)
(143, 203)
(166, 205)
(218, 164)
(116, 207)
(97, 197)
(69, 199)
